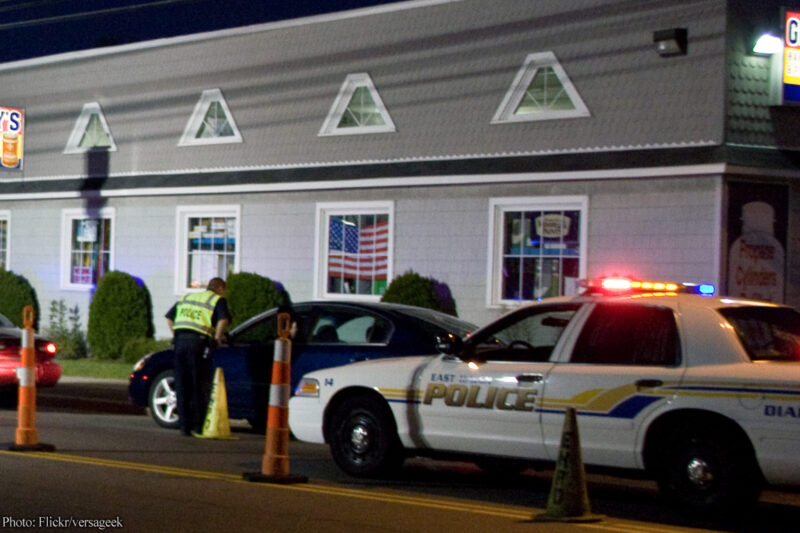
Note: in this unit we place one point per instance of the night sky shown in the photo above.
(34, 28)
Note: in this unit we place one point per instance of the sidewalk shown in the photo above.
(77, 379)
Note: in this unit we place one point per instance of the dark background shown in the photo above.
(34, 28)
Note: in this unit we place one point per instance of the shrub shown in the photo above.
(70, 339)
(138, 347)
(120, 311)
(412, 289)
(17, 293)
(249, 294)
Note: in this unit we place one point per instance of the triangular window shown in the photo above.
(358, 108)
(541, 91)
(90, 132)
(211, 122)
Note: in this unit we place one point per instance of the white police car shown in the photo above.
(702, 393)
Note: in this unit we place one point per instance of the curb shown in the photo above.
(78, 379)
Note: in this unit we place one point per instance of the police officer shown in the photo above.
(198, 322)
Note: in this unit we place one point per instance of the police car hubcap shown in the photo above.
(699, 472)
(359, 438)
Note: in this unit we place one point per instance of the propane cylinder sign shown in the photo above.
(11, 126)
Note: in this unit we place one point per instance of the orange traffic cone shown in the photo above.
(568, 500)
(27, 438)
(275, 463)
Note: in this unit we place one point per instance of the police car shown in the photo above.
(700, 392)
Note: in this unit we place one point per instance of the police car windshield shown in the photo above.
(767, 333)
(529, 334)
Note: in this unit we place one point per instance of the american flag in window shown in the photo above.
(358, 247)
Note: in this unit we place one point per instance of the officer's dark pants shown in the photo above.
(192, 379)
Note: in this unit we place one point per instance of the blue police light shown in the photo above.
(706, 289)
(703, 289)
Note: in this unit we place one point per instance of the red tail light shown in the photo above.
(50, 348)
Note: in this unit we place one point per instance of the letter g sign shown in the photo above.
(793, 32)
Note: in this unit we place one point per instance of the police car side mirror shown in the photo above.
(450, 344)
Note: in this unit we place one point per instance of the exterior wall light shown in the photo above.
(671, 42)
(768, 45)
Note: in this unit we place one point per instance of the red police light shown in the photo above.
(617, 285)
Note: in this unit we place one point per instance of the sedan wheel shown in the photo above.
(163, 401)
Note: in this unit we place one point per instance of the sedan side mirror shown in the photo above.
(450, 344)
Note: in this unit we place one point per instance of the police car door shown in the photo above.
(486, 399)
(616, 368)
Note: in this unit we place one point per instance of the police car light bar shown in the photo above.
(625, 285)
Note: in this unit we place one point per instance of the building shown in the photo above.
(505, 148)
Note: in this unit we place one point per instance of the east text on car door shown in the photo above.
(486, 399)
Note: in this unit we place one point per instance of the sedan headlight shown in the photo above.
(308, 388)
(140, 363)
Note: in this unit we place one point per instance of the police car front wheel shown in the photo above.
(363, 438)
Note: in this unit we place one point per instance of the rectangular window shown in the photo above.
(354, 249)
(87, 247)
(207, 245)
(767, 333)
(627, 334)
(5, 232)
(537, 247)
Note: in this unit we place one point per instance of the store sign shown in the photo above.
(11, 125)
(757, 235)
(791, 57)
(87, 230)
(552, 226)
(82, 275)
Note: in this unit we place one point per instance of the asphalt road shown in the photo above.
(113, 463)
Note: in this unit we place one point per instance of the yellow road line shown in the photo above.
(627, 527)
(418, 501)
(427, 501)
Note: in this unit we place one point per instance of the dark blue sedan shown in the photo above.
(329, 334)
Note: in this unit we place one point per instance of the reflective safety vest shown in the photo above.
(194, 312)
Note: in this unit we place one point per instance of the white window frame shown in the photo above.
(324, 211)
(182, 215)
(498, 207)
(208, 97)
(5, 215)
(79, 129)
(67, 217)
(342, 101)
(505, 113)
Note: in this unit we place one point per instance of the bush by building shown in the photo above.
(138, 347)
(65, 330)
(121, 310)
(17, 293)
(413, 289)
(249, 294)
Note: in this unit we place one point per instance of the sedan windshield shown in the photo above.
(444, 321)
(767, 333)
(5, 322)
